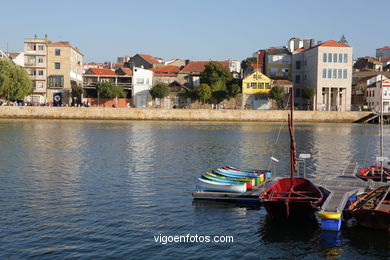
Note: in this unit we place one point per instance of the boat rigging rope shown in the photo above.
(277, 138)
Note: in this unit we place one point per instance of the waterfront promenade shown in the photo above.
(88, 113)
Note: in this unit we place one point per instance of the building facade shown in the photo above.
(327, 68)
(142, 83)
(35, 62)
(379, 92)
(278, 63)
(64, 70)
(383, 53)
(255, 86)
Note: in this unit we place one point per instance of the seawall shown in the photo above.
(89, 113)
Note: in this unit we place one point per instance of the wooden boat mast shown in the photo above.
(293, 163)
(381, 122)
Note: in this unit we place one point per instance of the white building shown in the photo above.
(327, 68)
(374, 93)
(142, 83)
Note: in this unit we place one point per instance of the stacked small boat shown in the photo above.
(231, 179)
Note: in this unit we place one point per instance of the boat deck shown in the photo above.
(342, 187)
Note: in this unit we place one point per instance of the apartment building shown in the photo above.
(35, 62)
(64, 70)
(278, 63)
(327, 68)
(53, 68)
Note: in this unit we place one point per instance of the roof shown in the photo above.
(97, 71)
(332, 43)
(168, 70)
(366, 78)
(373, 85)
(199, 66)
(283, 82)
(276, 51)
(60, 43)
(64, 43)
(385, 59)
(384, 48)
(299, 50)
(13, 55)
(125, 71)
(256, 66)
(149, 58)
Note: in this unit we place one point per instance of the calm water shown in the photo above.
(83, 189)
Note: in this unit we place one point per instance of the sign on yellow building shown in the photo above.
(256, 83)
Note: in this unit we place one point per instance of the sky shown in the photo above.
(193, 29)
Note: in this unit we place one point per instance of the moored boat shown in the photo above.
(373, 209)
(208, 185)
(294, 198)
(208, 176)
(374, 173)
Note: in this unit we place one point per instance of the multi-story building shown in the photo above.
(255, 86)
(35, 62)
(327, 68)
(278, 63)
(121, 77)
(378, 92)
(142, 83)
(64, 70)
(383, 53)
(53, 68)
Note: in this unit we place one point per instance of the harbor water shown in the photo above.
(101, 189)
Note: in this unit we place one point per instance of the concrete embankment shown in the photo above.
(175, 114)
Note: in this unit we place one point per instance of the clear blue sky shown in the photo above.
(197, 29)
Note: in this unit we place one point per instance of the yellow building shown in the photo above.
(256, 83)
(255, 88)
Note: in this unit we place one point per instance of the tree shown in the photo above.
(233, 90)
(107, 90)
(203, 92)
(308, 94)
(343, 40)
(216, 76)
(15, 83)
(159, 90)
(76, 93)
(277, 94)
(248, 62)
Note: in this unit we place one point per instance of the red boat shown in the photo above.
(291, 197)
(373, 209)
(374, 173)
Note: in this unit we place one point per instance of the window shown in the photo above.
(248, 85)
(140, 81)
(334, 57)
(344, 73)
(40, 60)
(335, 73)
(262, 85)
(39, 85)
(254, 85)
(329, 73)
(32, 73)
(329, 57)
(254, 76)
(298, 65)
(340, 57)
(345, 58)
(297, 92)
(40, 72)
(267, 86)
(57, 52)
(323, 73)
(324, 57)
(339, 73)
(297, 79)
(305, 77)
(40, 47)
(56, 81)
(57, 65)
(31, 47)
(273, 71)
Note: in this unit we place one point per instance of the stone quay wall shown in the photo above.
(91, 113)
